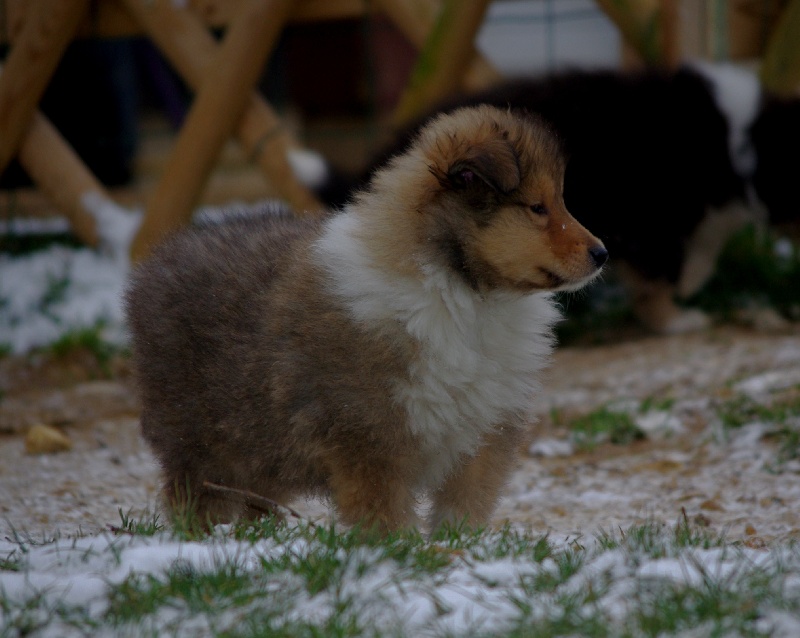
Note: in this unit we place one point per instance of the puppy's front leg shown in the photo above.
(372, 493)
(471, 491)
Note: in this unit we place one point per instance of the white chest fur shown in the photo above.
(478, 357)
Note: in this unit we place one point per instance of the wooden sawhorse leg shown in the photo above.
(444, 59)
(48, 29)
(224, 76)
(53, 165)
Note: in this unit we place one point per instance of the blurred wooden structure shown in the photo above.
(668, 31)
(223, 73)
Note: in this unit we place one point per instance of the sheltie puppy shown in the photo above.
(387, 353)
(663, 166)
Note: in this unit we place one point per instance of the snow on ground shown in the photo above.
(471, 596)
(48, 293)
(52, 292)
(723, 480)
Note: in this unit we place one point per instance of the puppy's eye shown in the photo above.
(539, 209)
(467, 176)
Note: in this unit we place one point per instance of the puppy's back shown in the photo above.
(196, 311)
(205, 288)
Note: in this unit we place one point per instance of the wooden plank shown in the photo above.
(43, 36)
(191, 49)
(639, 25)
(216, 110)
(61, 175)
(780, 68)
(444, 59)
(415, 19)
(105, 18)
(220, 13)
(112, 18)
(669, 21)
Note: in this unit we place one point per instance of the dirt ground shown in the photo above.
(689, 467)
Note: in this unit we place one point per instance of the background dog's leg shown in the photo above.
(654, 305)
(373, 493)
(471, 492)
(707, 242)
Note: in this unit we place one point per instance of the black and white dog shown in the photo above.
(662, 166)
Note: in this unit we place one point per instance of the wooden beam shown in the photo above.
(669, 21)
(640, 26)
(217, 107)
(112, 19)
(45, 33)
(444, 59)
(189, 46)
(61, 175)
(415, 19)
(220, 13)
(224, 76)
(780, 66)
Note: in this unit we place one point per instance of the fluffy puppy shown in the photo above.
(387, 353)
(663, 167)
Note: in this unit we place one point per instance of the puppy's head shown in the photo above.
(491, 205)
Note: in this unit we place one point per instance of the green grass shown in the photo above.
(604, 425)
(312, 580)
(146, 527)
(14, 244)
(55, 293)
(743, 409)
(780, 414)
(653, 404)
(84, 338)
(89, 340)
(788, 438)
(752, 271)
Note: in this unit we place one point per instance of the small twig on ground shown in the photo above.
(256, 501)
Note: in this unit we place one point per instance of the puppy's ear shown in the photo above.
(494, 162)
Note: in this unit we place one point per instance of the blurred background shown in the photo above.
(98, 96)
(335, 74)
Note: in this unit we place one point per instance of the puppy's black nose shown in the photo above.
(599, 255)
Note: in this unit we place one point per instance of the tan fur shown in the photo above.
(289, 357)
(524, 250)
(471, 494)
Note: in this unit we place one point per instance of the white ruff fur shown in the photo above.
(737, 93)
(479, 358)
